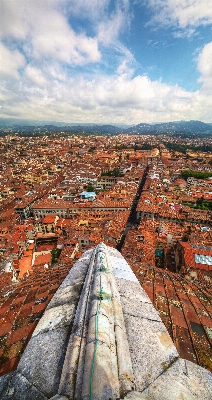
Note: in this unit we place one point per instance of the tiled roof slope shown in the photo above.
(21, 307)
(185, 308)
(100, 338)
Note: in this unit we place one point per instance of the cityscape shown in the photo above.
(105, 200)
(149, 196)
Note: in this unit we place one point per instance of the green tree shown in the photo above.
(55, 255)
(114, 172)
(90, 188)
(196, 174)
(92, 148)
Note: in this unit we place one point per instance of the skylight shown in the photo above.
(201, 259)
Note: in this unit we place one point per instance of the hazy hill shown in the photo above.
(171, 127)
(110, 129)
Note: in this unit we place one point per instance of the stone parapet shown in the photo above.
(100, 338)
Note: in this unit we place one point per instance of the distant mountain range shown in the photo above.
(172, 127)
(9, 123)
(111, 129)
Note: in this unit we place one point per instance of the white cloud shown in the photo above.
(123, 68)
(101, 12)
(64, 45)
(183, 14)
(14, 19)
(43, 31)
(35, 76)
(46, 32)
(50, 87)
(114, 23)
(89, 9)
(44, 27)
(205, 66)
(127, 62)
(117, 98)
(109, 29)
(11, 62)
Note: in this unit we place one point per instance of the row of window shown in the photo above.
(66, 213)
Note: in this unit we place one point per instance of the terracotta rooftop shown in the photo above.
(194, 254)
(185, 307)
(21, 307)
(50, 219)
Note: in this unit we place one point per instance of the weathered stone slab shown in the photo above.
(54, 318)
(78, 271)
(126, 376)
(103, 329)
(101, 280)
(79, 324)
(118, 314)
(21, 389)
(43, 358)
(123, 274)
(122, 270)
(81, 315)
(70, 367)
(80, 371)
(105, 384)
(68, 294)
(114, 288)
(200, 375)
(183, 380)
(4, 383)
(137, 396)
(134, 350)
(151, 349)
(132, 291)
(139, 309)
(113, 252)
(105, 307)
(102, 259)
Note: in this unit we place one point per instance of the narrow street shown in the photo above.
(132, 218)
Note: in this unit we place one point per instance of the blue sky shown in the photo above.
(103, 61)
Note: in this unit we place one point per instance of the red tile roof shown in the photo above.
(185, 307)
(21, 307)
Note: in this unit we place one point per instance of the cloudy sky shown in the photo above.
(103, 61)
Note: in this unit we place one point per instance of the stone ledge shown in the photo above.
(156, 371)
(57, 317)
(134, 291)
(20, 388)
(183, 380)
(66, 294)
(151, 348)
(42, 361)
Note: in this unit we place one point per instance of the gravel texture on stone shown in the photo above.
(43, 359)
(101, 330)
(183, 380)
